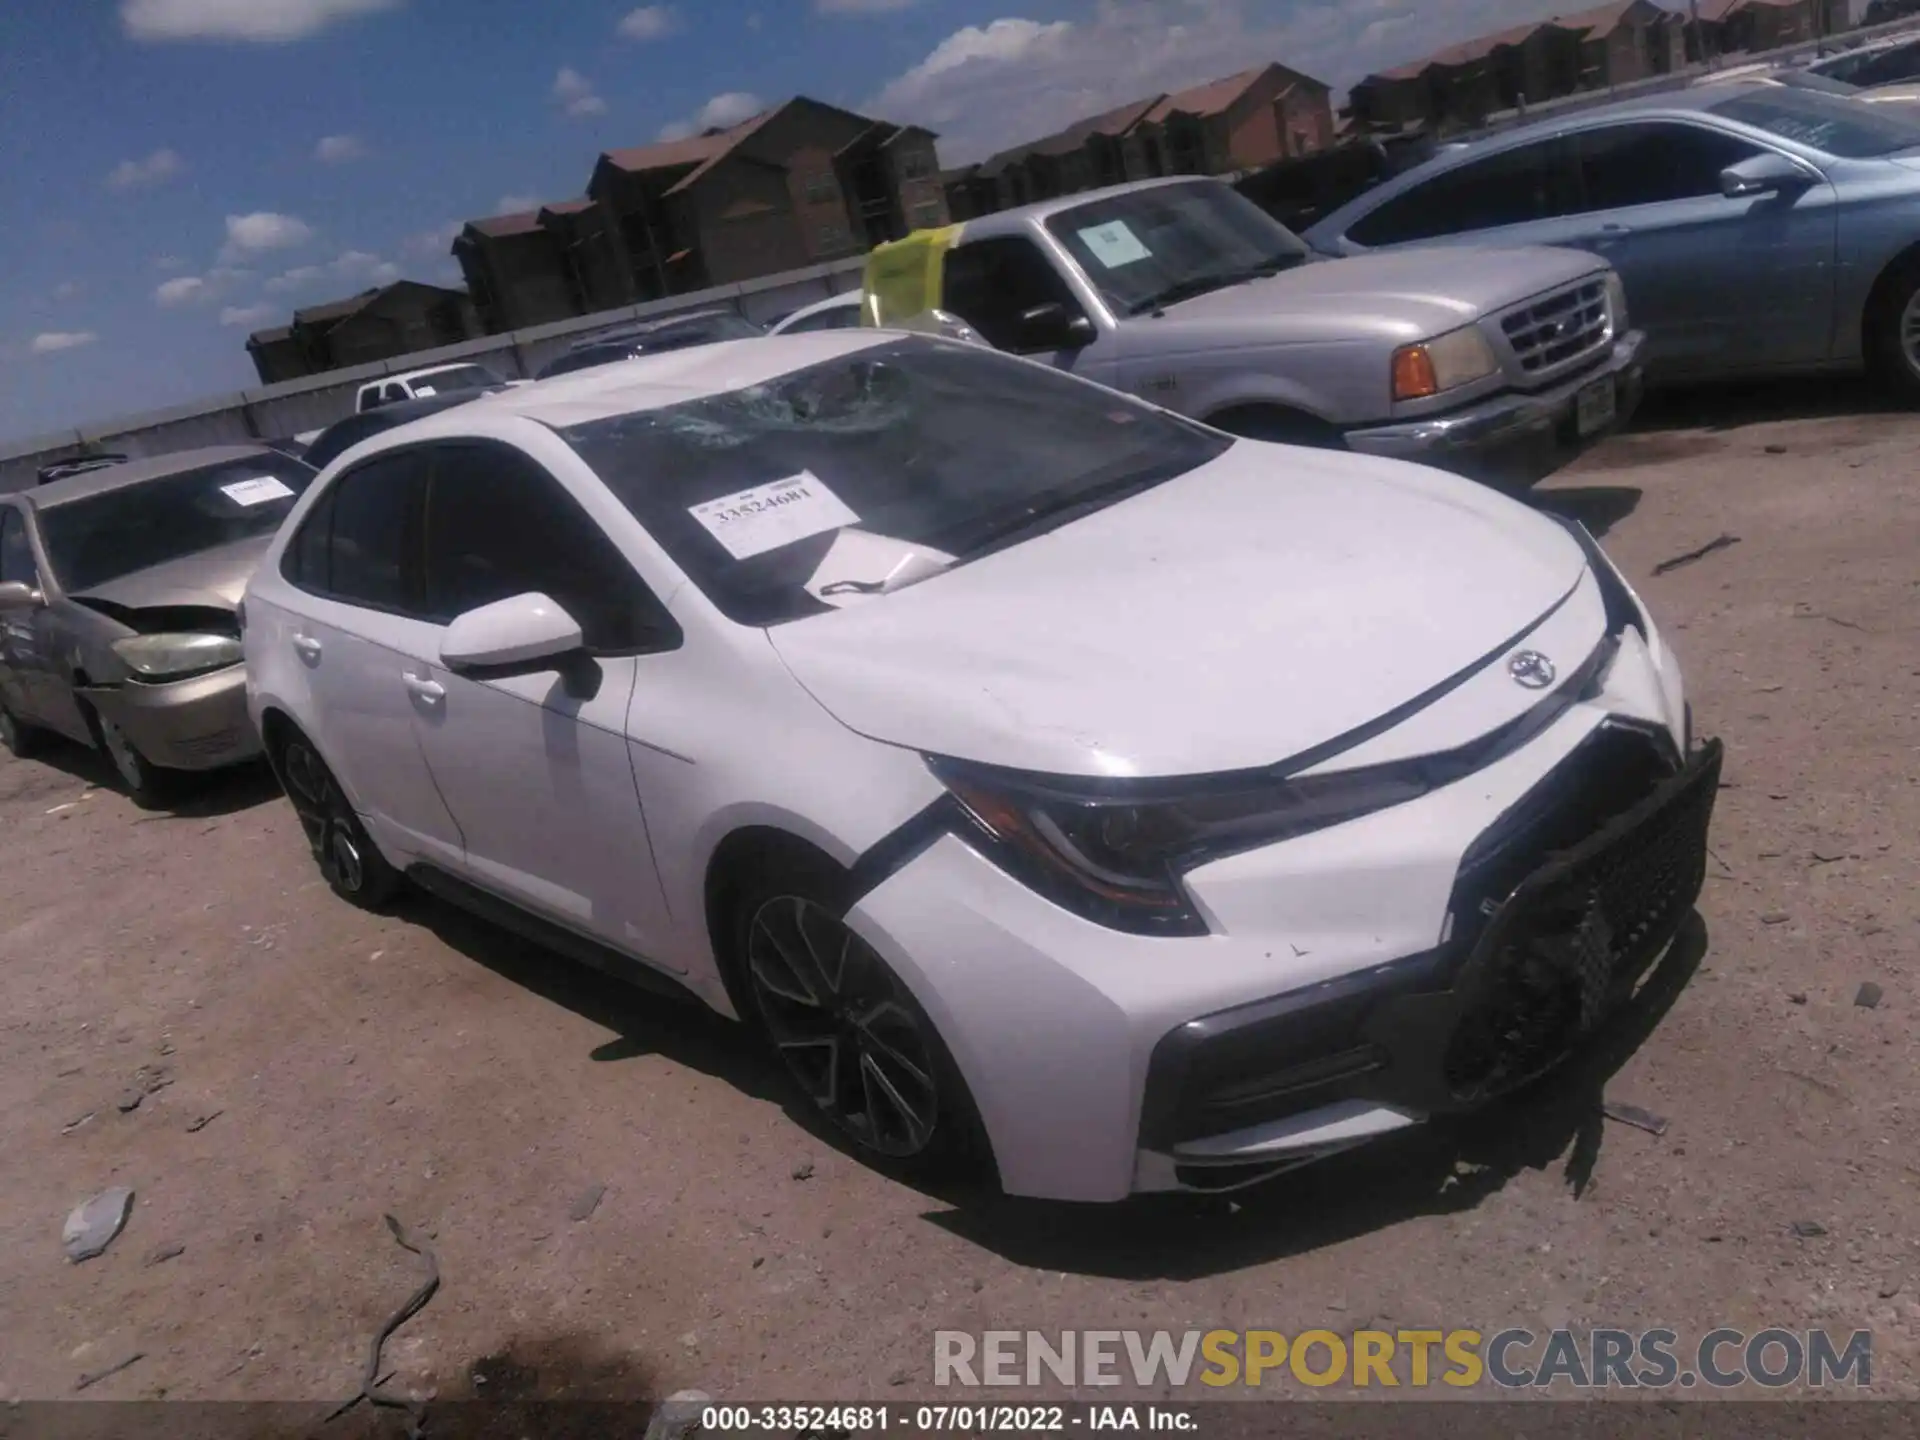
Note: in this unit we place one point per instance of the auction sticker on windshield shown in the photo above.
(257, 491)
(1114, 245)
(766, 517)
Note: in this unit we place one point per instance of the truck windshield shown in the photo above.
(1142, 249)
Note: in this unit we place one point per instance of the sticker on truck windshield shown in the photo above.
(766, 517)
(257, 491)
(1114, 245)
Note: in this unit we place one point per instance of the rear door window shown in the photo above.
(360, 544)
(16, 550)
(1515, 187)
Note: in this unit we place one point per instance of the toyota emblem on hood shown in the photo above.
(1531, 669)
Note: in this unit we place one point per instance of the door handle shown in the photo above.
(307, 648)
(429, 692)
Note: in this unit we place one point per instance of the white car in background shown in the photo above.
(1054, 782)
(846, 312)
(419, 384)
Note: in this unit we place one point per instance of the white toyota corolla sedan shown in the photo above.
(1055, 783)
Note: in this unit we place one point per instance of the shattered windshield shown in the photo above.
(874, 469)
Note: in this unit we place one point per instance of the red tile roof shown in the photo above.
(1213, 98)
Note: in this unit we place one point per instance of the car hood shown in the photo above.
(1252, 610)
(213, 578)
(1404, 295)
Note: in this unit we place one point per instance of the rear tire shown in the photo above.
(349, 861)
(851, 1037)
(19, 739)
(1893, 333)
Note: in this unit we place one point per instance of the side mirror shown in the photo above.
(1766, 174)
(1053, 326)
(526, 632)
(17, 595)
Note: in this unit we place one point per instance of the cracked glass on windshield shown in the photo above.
(935, 446)
(1838, 125)
(1145, 248)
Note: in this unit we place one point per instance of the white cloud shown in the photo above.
(49, 341)
(158, 168)
(351, 269)
(259, 21)
(248, 314)
(649, 22)
(720, 113)
(216, 284)
(574, 93)
(338, 149)
(986, 87)
(862, 7)
(434, 243)
(181, 290)
(262, 231)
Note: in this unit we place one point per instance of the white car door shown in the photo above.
(362, 648)
(534, 765)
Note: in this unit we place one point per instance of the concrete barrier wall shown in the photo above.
(301, 405)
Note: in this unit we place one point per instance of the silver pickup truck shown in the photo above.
(1500, 364)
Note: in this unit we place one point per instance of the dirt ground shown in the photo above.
(304, 1069)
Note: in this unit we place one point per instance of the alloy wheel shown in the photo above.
(1910, 333)
(843, 1026)
(325, 817)
(126, 759)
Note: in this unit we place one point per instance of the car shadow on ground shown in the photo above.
(679, 1028)
(1435, 1170)
(1732, 405)
(1598, 507)
(189, 796)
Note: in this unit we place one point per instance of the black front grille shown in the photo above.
(1558, 910)
(1560, 954)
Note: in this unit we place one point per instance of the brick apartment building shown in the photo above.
(1465, 83)
(801, 183)
(376, 324)
(1242, 122)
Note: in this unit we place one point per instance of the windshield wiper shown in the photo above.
(1204, 284)
(1051, 510)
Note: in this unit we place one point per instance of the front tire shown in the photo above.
(145, 783)
(1893, 333)
(350, 862)
(848, 1032)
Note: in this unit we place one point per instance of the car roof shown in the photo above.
(1002, 222)
(1672, 104)
(655, 381)
(410, 375)
(138, 472)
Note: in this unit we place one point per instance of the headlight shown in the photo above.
(1456, 358)
(1617, 301)
(175, 657)
(1116, 855)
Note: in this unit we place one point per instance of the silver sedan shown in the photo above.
(1759, 228)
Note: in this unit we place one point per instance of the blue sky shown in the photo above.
(180, 172)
